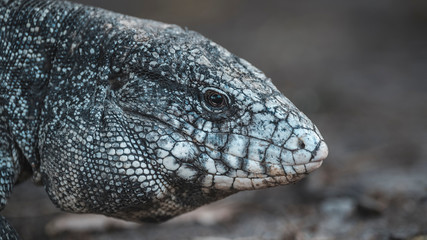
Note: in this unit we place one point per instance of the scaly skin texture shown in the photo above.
(137, 119)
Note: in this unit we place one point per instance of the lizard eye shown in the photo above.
(215, 100)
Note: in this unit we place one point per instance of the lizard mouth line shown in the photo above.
(312, 160)
(268, 169)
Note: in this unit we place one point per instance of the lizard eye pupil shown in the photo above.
(215, 100)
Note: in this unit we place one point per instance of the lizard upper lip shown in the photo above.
(321, 153)
(311, 166)
(316, 162)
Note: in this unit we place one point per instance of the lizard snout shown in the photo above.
(319, 156)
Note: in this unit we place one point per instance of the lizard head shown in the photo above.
(215, 124)
(183, 123)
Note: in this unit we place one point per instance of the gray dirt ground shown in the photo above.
(357, 68)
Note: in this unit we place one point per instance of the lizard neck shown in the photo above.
(28, 40)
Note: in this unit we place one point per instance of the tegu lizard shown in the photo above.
(137, 119)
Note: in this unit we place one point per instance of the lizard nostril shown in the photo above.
(301, 144)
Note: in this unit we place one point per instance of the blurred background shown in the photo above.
(358, 69)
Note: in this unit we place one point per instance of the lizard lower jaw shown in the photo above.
(225, 183)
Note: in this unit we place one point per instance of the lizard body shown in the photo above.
(137, 119)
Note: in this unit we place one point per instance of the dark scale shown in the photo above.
(137, 119)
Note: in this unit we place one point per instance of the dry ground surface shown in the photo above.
(358, 69)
